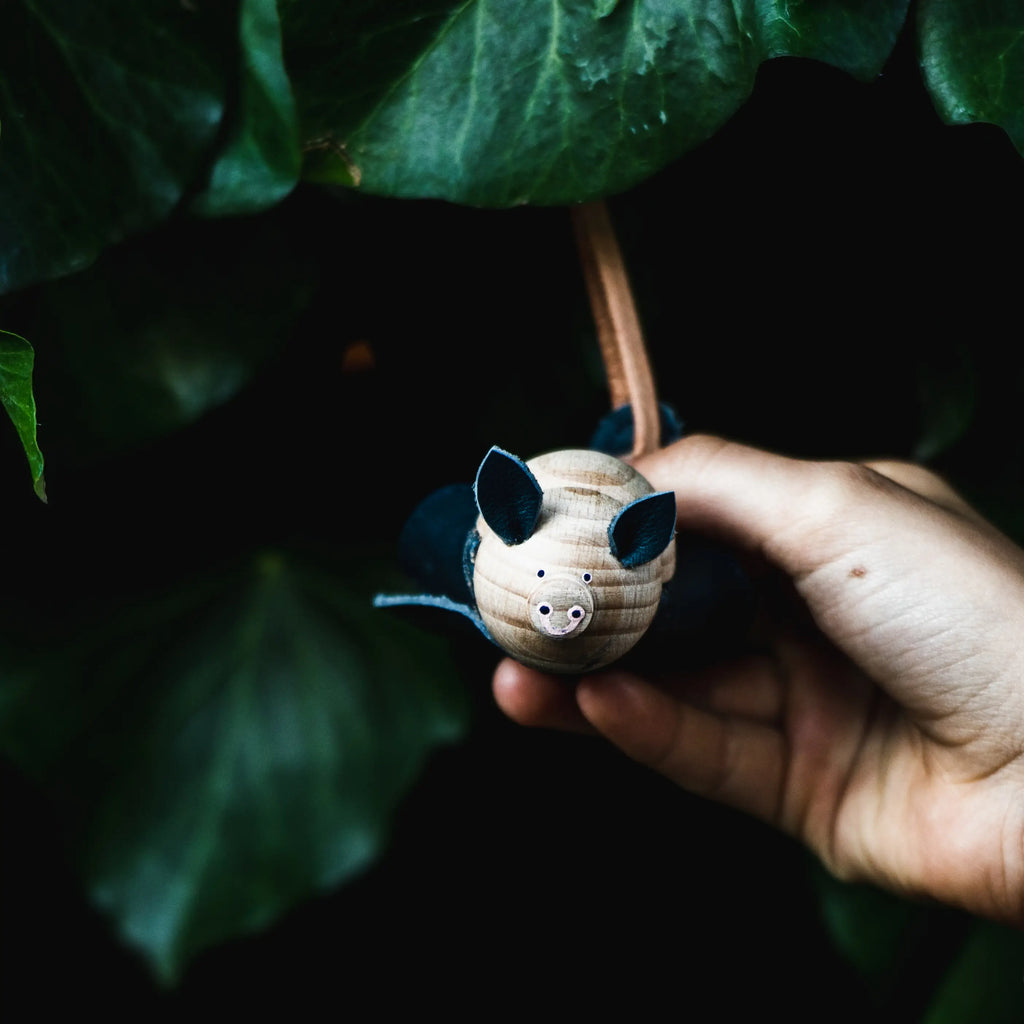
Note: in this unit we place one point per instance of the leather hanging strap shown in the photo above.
(619, 333)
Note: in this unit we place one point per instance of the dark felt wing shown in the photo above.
(435, 549)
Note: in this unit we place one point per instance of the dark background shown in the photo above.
(831, 275)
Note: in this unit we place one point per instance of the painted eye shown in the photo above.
(540, 572)
(544, 609)
(587, 577)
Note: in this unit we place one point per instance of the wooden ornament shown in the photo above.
(575, 547)
(563, 560)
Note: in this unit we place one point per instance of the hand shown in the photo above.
(881, 719)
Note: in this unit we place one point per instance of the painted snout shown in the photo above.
(561, 606)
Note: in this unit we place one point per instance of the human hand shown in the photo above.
(881, 720)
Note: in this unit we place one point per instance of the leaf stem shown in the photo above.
(627, 366)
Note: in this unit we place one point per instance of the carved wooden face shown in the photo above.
(574, 549)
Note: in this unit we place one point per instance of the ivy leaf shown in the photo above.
(947, 398)
(165, 327)
(231, 751)
(109, 111)
(875, 931)
(113, 113)
(984, 981)
(972, 56)
(260, 164)
(16, 360)
(898, 948)
(480, 103)
(602, 8)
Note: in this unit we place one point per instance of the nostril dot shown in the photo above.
(576, 613)
(544, 609)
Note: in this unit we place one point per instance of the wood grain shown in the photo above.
(569, 554)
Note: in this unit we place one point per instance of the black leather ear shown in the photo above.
(508, 496)
(642, 529)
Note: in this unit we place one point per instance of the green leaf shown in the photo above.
(163, 328)
(899, 948)
(947, 396)
(260, 164)
(870, 928)
(972, 56)
(16, 360)
(985, 982)
(231, 751)
(113, 113)
(109, 111)
(602, 8)
(483, 102)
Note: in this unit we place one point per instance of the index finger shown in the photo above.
(797, 513)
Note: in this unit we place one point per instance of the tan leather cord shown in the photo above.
(619, 333)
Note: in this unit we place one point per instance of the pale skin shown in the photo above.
(881, 718)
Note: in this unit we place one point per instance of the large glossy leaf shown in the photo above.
(227, 753)
(112, 112)
(496, 102)
(260, 164)
(972, 55)
(165, 327)
(16, 359)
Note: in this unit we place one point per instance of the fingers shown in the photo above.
(533, 698)
(892, 565)
(732, 760)
(796, 513)
(728, 749)
(748, 688)
(927, 484)
(748, 497)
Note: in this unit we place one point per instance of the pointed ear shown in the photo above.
(508, 496)
(642, 529)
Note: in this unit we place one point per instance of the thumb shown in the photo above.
(920, 594)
